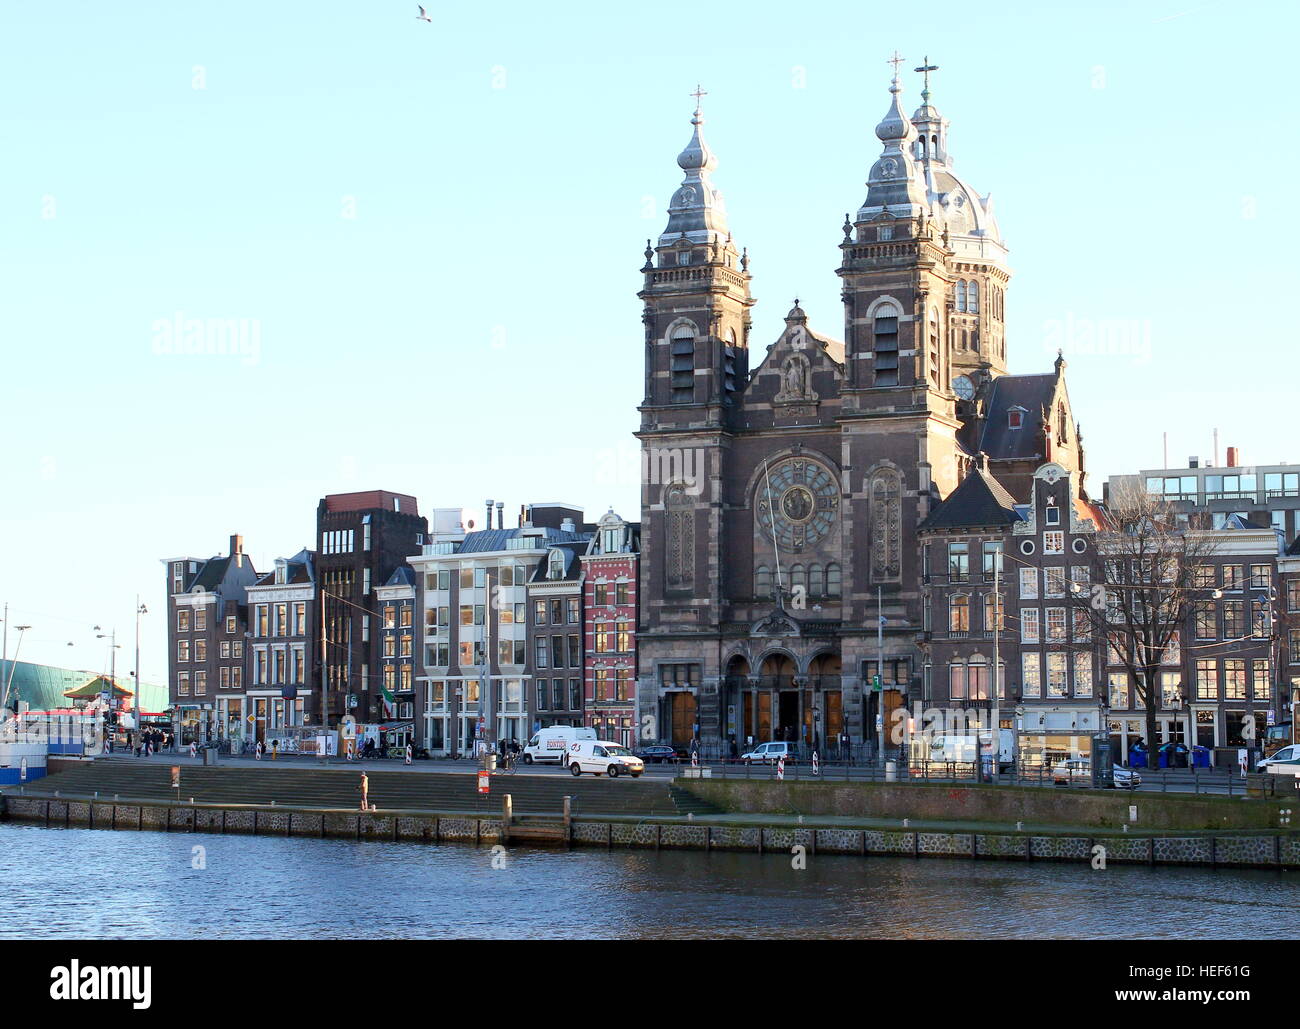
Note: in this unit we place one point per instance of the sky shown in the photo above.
(424, 240)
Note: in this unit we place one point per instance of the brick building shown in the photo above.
(609, 603)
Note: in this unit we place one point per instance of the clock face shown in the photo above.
(804, 503)
(963, 387)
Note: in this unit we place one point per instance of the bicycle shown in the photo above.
(509, 764)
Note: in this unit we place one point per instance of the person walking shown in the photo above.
(365, 792)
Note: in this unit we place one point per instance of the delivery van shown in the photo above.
(553, 743)
(601, 757)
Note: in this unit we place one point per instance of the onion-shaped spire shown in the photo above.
(696, 211)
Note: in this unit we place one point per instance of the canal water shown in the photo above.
(82, 883)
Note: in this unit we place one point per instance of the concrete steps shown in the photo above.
(338, 788)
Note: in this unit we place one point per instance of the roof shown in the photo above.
(572, 564)
(1031, 393)
(980, 500)
(43, 687)
(403, 575)
(371, 500)
(487, 540)
(94, 687)
(298, 571)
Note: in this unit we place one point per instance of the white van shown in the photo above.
(771, 752)
(553, 743)
(601, 757)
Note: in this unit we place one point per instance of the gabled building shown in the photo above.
(609, 604)
(396, 603)
(282, 685)
(555, 651)
(207, 618)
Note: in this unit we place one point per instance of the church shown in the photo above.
(781, 585)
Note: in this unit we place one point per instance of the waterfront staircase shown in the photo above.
(288, 785)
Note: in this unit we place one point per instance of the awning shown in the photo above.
(396, 726)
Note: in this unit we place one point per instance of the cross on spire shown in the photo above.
(896, 60)
(697, 94)
(925, 69)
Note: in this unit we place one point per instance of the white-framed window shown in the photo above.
(1054, 582)
(1056, 625)
(1029, 625)
(1029, 583)
(1082, 673)
(1057, 674)
(1053, 543)
(1031, 674)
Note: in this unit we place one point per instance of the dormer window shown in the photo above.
(1015, 418)
(556, 569)
(885, 232)
(683, 257)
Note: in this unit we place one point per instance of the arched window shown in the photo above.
(682, 367)
(833, 578)
(959, 613)
(973, 298)
(763, 582)
(816, 581)
(556, 569)
(799, 577)
(961, 294)
(885, 345)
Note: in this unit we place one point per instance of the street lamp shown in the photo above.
(20, 629)
(140, 609)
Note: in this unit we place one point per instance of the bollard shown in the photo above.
(568, 812)
(507, 814)
(1020, 826)
(907, 822)
(690, 816)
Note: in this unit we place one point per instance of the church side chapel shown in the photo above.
(781, 590)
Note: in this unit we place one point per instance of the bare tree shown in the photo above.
(1150, 566)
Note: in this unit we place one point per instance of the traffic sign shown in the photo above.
(875, 682)
(484, 782)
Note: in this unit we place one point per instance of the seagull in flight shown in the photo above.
(422, 16)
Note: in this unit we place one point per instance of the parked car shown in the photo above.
(600, 757)
(658, 753)
(770, 753)
(1122, 778)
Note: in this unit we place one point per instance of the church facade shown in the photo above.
(782, 493)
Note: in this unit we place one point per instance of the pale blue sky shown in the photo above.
(504, 167)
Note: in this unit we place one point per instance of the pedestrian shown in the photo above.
(408, 754)
(365, 792)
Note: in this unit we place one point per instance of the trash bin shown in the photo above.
(1200, 757)
(210, 755)
(1164, 756)
(490, 761)
(891, 771)
(1137, 758)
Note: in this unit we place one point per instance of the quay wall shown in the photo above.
(1276, 850)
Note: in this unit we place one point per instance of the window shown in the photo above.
(885, 346)
(1259, 577)
(573, 610)
(992, 555)
(224, 649)
(959, 614)
(182, 619)
(200, 650)
(575, 694)
(390, 616)
(200, 619)
(556, 610)
(1053, 543)
(1259, 677)
(624, 643)
(1082, 674)
(1029, 583)
(183, 684)
(1053, 582)
(833, 580)
(557, 651)
(230, 624)
(995, 611)
(762, 581)
(1056, 674)
(1232, 577)
(1015, 418)
(575, 651)
(1234, 619)
(1056, 625)
(1029, 625)
(1052, 515)
(1031, 684)
(973, 298)
(1203, 576)
(1082, 625)
(1118, 682)
(466, 614)
(182, 650)
(1203, 617)
(539, 612)
(958, 562)
(602, 637)
(541, 694)
(1234, 679)
(682, 365)
(960, 297)
(506, 575)
(1171, 692)
(467, 578)
(541, 652)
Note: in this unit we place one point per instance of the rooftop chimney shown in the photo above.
(501, 514)
(1233, 457)
(237, 550)
(487, 522)
(1193, 462)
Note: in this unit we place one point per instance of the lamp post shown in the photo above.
(140, 609)
(9, 681)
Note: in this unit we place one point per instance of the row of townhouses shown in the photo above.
(440, 636)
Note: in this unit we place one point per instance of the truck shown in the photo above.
(553, 743)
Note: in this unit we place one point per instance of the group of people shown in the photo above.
(148, 740)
